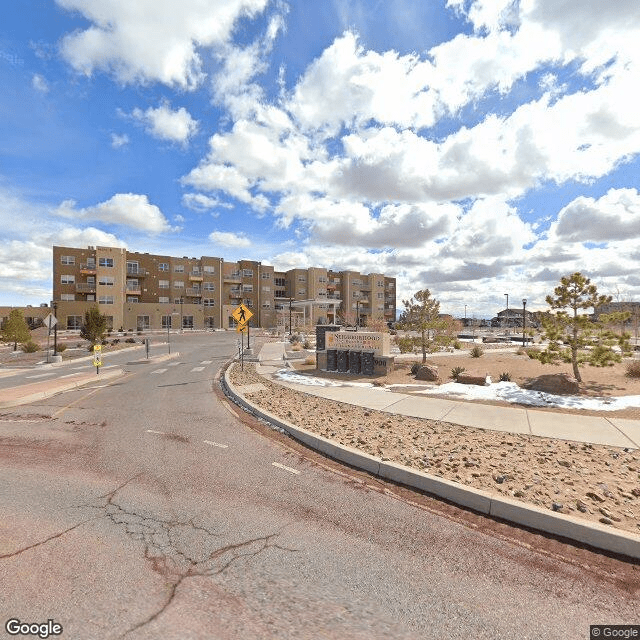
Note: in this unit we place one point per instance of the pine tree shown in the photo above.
(94, 326)
(421, 314)
(16, 329)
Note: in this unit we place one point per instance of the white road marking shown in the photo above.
(69, 375)
(215, 444)
(197, 369)
(84, 366)
(174, 364)
(158, 432)
(42, 375)
(206, 362)
(159, 371)
(289, 469)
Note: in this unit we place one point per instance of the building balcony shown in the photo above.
(88, 269)
(83, 287)
(139, 272)
(196, 277)
(192, 292)
(133, 290)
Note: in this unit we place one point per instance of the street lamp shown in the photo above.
(55, 329)
(524, 320)
(357, 313)
(506, 294)
(465, 315)
(181, 318)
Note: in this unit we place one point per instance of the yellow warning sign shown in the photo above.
(241, 328)
(97, 355)
(241, 314)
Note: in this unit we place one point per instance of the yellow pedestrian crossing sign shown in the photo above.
(97, 355)
(241, 315)
(241, 328)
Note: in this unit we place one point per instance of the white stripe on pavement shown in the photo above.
(215, 444)
(159, 371)
(42, 375)
(158, 432)
(197, 369)
(206, 362)
(289, 469)
(174, 364)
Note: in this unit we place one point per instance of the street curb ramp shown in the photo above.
(589, 533)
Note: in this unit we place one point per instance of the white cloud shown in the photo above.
(167, 124)
(152, 40)
(228, 239)
(201, 202)
(39, 83)
(119, 140)
(129, 209)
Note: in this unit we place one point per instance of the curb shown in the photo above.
(53, 388)
(590, 533)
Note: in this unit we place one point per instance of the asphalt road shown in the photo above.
(149, 508)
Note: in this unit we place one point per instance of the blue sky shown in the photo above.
(472, 147)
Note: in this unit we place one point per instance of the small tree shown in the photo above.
(567, 326)
(421, 314)
(16, 329)
(94, 326)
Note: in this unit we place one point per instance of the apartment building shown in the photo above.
(138, 291)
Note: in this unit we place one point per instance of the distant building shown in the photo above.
(614, 307)
(512, 318)
(138, 291)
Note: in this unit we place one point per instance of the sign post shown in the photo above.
(97, 357)
(50, 321)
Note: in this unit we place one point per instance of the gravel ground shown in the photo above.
(594, 482)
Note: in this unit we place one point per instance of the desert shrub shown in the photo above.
(505, 377)
(310, 360)
(139, 333)
(633, 369)
(131, 340)
(415, 367)
(296, 347)
(105, 342)
(457, 344)
(521, 352)
(61, 347)
(476, 352)
(306, 345)
(29, 347)
(405, 344)
(602, 356)
(534, 353)
(294, 337)
(115, 341)
(456, 371)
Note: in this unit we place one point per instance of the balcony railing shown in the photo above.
(88, 269)
(134, 289)
(236, 276)
(192, 292)
(196, 276)
(137, 271)
(83, 287)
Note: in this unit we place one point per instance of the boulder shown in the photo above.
(427, 372)
(481, 381)
(558, 383)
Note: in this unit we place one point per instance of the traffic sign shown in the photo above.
(50, 321)
(241, 314)
(241, 328)
(97, 355)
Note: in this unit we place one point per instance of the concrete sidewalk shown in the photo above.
(617, 432)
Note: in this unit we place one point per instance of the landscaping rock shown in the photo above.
(427, 372)
(558, 383)
(465, 378)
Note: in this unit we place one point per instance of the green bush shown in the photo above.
(456, 371)
(457, 345)
(505, 377)
(61, 347)
(633, 369)
(405, 345)
(476, 352)
(29, 346)
(130, 340)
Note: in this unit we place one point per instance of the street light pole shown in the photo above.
(506, 294)
(465, 315)
(55, 330)
(524, 320)
(181, 318)
(357, 314)
(290, 313)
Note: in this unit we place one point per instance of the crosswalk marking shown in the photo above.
(289, 469)
(197, 369)
(215, 444)
(159, 371)
(42, 375)
(174, 364)
(158, 432)
(206, 362)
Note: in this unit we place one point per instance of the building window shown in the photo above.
(266, 289)
(209, 302)
(302, 278)
(280, 282)
(91, 280)
(133, 267)
(106, 281)
(105, 300)
(248, 288)
(187, 322)
(163, 266)
(163, 284)
(132, 298)
(248, 302)
(143, 323)
(209, 270)
(163, 299)
(208, 286)
(247, 273)
(178, 284)
(91, 297)
(380, 296)
(322, 279)
(266, 276)
(74, 322)
(266, 305)
(67, 259)
(302, 292)
(105, 262)
(179, 268)
(280, 293)
(67, 297)
(209, 322)
(67, 279)
(166, 322)
(177, 300)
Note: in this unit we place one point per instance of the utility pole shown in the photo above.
(506, 294)
(524, 320)
(55, 330)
